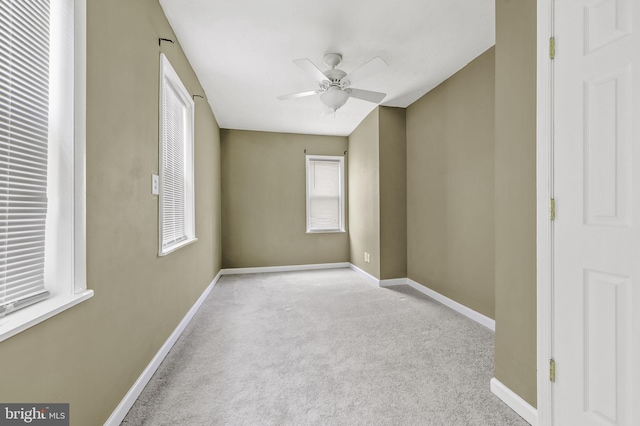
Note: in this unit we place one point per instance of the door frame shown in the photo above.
(544, 194)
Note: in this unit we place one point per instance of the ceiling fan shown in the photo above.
(335, 85)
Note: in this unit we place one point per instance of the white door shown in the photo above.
(596, 306)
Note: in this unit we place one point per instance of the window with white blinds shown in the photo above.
(177, 227)
(325, 193)
(42, 160)
(24, 130)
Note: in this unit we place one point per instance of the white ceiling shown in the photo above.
(242, 52)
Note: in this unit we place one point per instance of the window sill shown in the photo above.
(21, 320)
(177, 246)
(329, 231)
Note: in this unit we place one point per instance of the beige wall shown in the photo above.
(378, 197)
(364, 194)
(450, 187)
(393, 192)
(90, 355)
(264, 200)
(515, 200)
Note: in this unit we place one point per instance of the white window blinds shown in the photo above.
(176, 168)
(24, 129)
(324, 194)
(173, 189)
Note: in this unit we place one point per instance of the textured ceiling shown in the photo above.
(242, 52)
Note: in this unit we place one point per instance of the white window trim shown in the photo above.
(340, 160)
(68, 294)
(167, 71)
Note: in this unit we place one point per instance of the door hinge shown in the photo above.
(552, 47)
(552, 370)
(552, 209)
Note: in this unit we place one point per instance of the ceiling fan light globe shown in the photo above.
(334, 98)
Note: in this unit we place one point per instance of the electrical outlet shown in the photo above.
(367, 257)
(155, 185)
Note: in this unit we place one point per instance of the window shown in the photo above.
(325, 193)
(177, 223)
(42, 146)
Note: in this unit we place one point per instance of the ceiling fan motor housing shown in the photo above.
(335, 75)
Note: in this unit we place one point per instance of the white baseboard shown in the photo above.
(365, 274)
(467, 312)
(130, 398)
(393, 282)
(381, 283)
(288, 268)
(514, 401)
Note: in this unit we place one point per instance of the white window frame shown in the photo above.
(65, 261)
(331, 158)
(169, 75)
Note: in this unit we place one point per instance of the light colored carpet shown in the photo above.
(324, 348)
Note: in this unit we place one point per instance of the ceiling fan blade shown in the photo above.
(372, 67)
(367, 95)
(297, 95)
(309, 67)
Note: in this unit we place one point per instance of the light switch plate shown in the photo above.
(155, 185)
